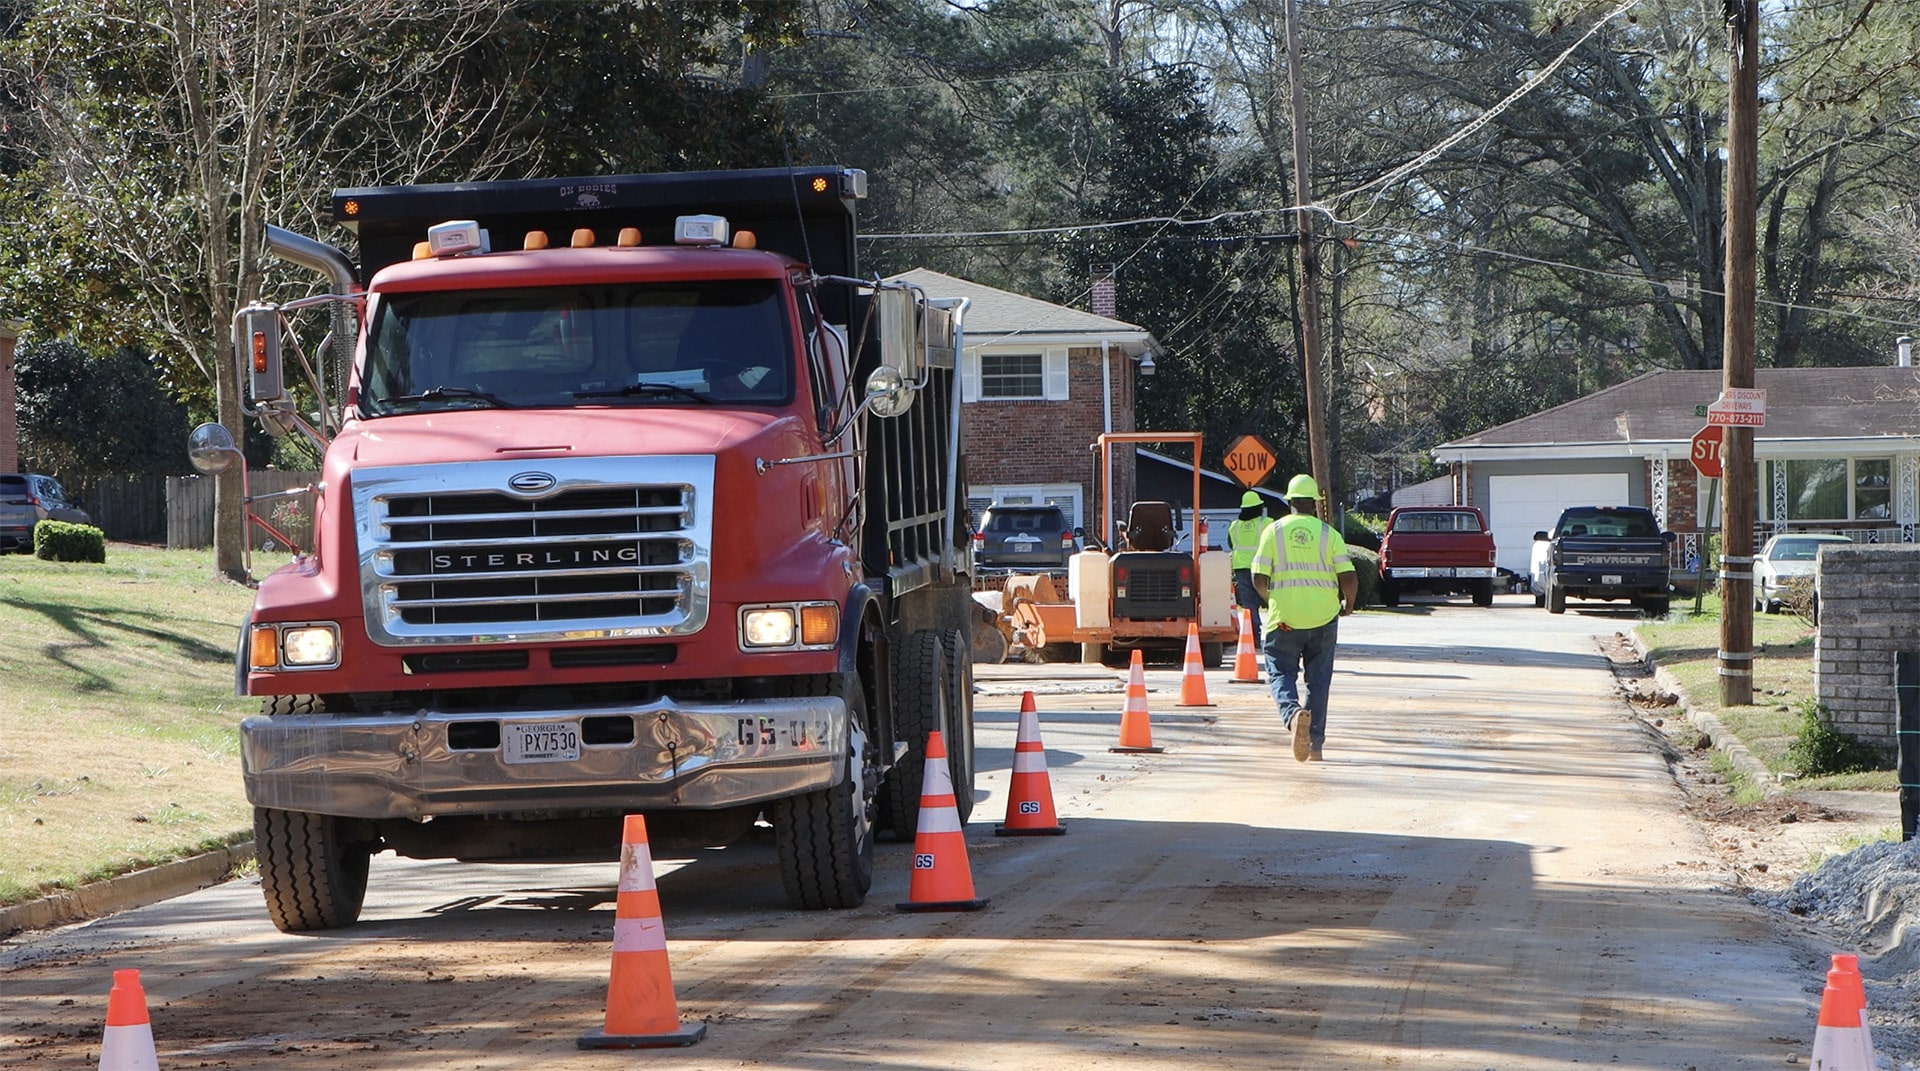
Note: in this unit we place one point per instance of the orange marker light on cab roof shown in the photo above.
(422, 251)
(819, 184)
(745, 240)
(351, 208)
(583, 238)
(534, 240)
(629, 237)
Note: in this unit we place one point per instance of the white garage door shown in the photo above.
(1518, 506)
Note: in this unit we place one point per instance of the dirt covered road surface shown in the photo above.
(1493, 868)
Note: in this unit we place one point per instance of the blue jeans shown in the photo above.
(1246, 597)
(1288, 651)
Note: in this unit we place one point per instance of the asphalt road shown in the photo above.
(1491, 870)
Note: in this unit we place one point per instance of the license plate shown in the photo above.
(1610, 578)
(1023, 548)
(540, 741)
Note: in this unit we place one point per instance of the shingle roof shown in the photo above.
(1802, 403)
(1001, 313)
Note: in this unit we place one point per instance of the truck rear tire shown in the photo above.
(1657, 606)
(313, 877)
(920, 697)
(1389, 593)
(1556, 598)
(825, 838)
(959, 731)
(1483, 593)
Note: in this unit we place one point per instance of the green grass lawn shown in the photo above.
(1687, 645)
(118, 712)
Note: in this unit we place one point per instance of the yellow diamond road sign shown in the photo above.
(1249, 459)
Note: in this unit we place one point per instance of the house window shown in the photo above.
(1012, 375)
(1832, 489)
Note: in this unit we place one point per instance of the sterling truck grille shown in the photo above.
(495, 552)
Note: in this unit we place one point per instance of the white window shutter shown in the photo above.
(1056, 375)
(970, 376)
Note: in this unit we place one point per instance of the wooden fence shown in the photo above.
(189, 509)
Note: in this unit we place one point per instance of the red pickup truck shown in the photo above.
(1439, 550)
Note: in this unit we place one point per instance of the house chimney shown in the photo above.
(1903, 351)
(1102, 302)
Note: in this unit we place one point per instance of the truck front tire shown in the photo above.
(313, 876)
(825, 838)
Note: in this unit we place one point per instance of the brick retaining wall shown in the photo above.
(1868, 612)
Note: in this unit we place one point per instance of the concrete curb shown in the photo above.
(128, 891)
(1711, 727)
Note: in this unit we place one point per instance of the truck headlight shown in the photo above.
(790, 626)
(315, 646)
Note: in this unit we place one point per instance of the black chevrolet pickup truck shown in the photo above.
(1603, 552)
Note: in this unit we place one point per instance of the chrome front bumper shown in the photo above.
(436, 763)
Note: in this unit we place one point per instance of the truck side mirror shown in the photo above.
(1539, 537)
(256, 343)
(888, 394)
(210, 448)
(901, 333)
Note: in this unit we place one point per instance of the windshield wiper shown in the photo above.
(442, 394)
(655, 390)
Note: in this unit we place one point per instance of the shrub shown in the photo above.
(1366, 568)
(1360, 530)
(1821, 749)
(58, 541)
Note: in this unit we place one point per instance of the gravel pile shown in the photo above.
(1866, 901)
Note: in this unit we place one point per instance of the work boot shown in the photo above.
(1302, 738)
(1313, 755)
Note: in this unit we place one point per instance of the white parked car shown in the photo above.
(1781, 560)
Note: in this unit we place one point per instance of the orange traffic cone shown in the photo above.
(1136, 729)
(1030, 795)
(1849, 964)
(1246, 661)
(942, 880)
(1839, 1042)
(1193, 679)
(641, 1013)
(128, 1045)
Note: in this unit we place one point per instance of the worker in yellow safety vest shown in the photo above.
(1302, 570)
(1243, 538)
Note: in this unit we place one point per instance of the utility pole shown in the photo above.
(1317, 439)
(1736, 451)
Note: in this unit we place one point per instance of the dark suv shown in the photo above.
(25, 501)
(1036, 538)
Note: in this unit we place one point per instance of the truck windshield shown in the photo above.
(710, 343)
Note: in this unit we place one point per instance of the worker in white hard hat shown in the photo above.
(1302, 570)
(1243, 538)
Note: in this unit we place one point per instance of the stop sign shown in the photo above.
(1706, 451)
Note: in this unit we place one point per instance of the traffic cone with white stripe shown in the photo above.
(128, 1044)
(942, 880)
(1246, 660)
(1840, 1041)
(1136, 727)
(1193, 677)
(1848, 964)
(641, 1012)
(1029, 794)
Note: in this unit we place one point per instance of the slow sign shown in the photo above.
(1249, 459)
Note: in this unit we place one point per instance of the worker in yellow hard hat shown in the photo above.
(1243, 538)
(1302, 570)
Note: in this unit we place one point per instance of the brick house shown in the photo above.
(1840, 452)
(1039, 382)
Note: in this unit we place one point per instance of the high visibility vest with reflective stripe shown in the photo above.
(1302, 558)
(1243, 538)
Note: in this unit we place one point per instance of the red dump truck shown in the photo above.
(636, 500)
